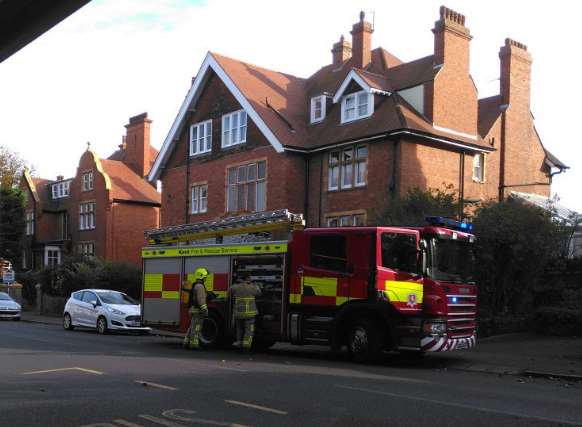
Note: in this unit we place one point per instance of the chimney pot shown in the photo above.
(60, 177)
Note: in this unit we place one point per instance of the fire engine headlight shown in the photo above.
(434, 328)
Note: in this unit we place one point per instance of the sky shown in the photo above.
(113, 59)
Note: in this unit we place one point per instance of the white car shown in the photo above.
(9, 309)
(103, 310)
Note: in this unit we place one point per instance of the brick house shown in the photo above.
(340, 144)
(101, 211)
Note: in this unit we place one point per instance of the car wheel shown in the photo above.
(68, 322)
(102, 325)
(365, 341)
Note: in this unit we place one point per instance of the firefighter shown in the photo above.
(244, 310)
(197, 309)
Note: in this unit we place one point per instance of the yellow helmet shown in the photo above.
(200, 274)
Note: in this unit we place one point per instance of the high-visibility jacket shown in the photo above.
(244, 300)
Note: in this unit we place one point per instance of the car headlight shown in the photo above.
(114, 311)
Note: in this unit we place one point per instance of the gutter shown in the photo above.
(469, 147)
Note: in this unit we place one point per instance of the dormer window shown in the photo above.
(318, 108)
(61, 189)
(356, 106)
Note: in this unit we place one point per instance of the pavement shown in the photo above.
(522, 354)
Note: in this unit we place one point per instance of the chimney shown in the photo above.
(60, 177)
(362, 43)
(341, 51)
(137, 142)
(123, 144)
(515, 74)
(451, 40)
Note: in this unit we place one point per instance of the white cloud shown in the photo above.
(83, 79)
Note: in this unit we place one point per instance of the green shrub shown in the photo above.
(28, 280)
(120, 277)
(558, 321)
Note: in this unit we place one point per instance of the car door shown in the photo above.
(87, 310)
(74, 307)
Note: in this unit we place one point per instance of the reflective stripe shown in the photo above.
(295, 298)
(170, 295)
(321, 286)
(341, 300)
(153, 282)
(409, 294)
(245, 307)
(261, 248)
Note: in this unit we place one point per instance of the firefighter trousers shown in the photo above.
(245, 331)
(192, 338)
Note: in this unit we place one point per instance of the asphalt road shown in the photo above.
(51, 377)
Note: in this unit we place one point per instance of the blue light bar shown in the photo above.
(441, 221)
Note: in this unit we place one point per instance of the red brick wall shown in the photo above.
(129, 221)
(285, 172)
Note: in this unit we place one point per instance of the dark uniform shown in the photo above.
(197, 309)
(244, 311)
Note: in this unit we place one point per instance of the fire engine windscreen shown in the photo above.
(452, 260)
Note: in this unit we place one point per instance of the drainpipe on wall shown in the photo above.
(306, 192)
(320, 189)
(461, 184)
(187, 183)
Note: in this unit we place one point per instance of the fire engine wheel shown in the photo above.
(68, 322)
(212, 333)
(365, 341)
(102, 325)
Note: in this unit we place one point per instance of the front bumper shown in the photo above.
(10, 314)
(436, 343)
(121, 324)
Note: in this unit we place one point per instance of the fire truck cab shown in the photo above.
(368, 288)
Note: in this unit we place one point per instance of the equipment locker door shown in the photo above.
(161, 291)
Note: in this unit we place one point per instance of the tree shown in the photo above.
(11, 224)
(11, 168)
(515, 243)
(413, 208)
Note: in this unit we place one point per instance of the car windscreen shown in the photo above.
(4, 297)
(452, 260)
(116, 298)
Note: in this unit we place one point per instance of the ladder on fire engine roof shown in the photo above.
(266, 221)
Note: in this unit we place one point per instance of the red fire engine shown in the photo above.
(368, 288)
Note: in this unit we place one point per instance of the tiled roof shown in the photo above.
(127, 185)
(119, 155)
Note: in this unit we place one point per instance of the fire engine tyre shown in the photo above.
(68, 322)
(102, 325)
(365, 341)
(212, 333)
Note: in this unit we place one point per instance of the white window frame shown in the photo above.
(202, 143)
(87, 216)
(356, 96)
(199, 202)
(47, 250)
(322, 99)
(347, 220)
(229, 131)
(29, 222)
(333, 169)
(86, 249)
(87, 181)
(341, 166)
(479, 163)
(61, 189)
(238, 183)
